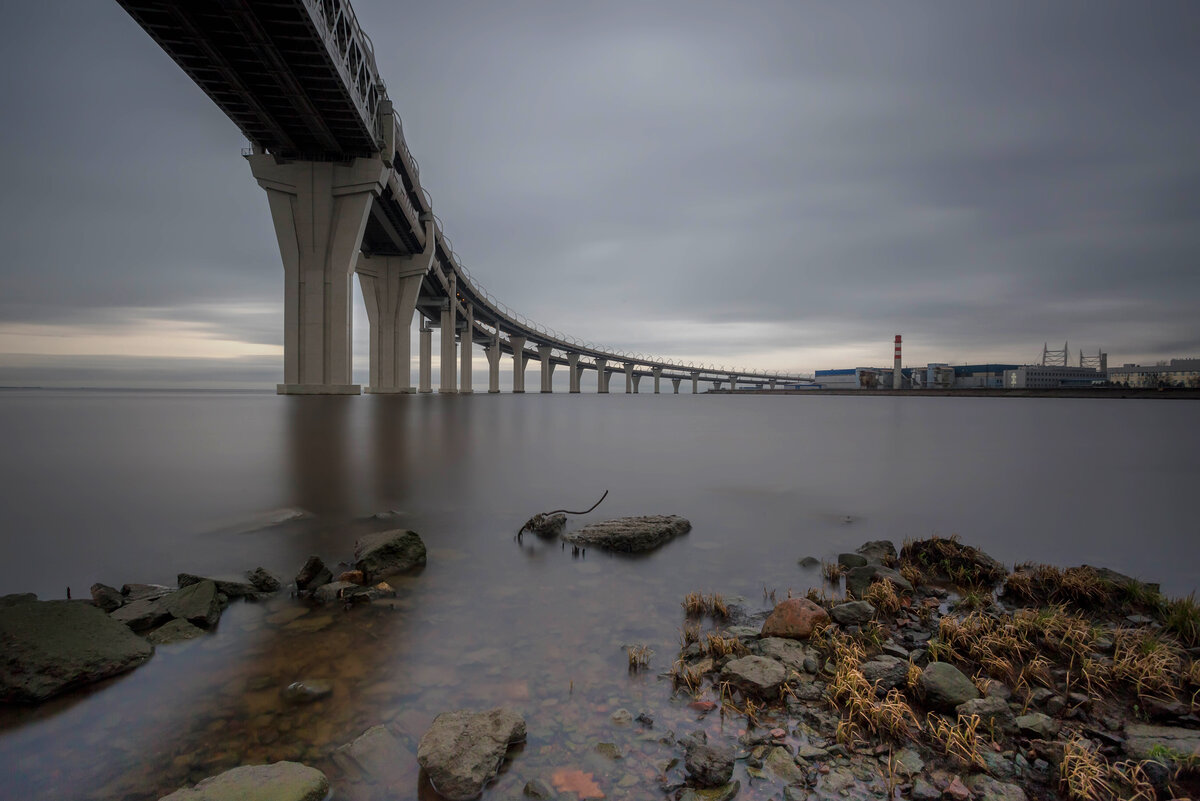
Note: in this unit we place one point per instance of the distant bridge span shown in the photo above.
(299, 78)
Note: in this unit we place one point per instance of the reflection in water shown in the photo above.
(763, 480)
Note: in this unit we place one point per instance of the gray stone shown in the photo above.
(622, 717)
(546, 526)
(307, 691)
(376, 756)
(852, 560)
(17, 598)
(922, 790)
(608, 751)
(743, 633)
(790, 653)
(462, 750)
(630, 534)
(810, 561)
(945, 686)
(313, 574)
(985, 788)
(858, 579)
(1037, 725)
(195, 603)
(538, 789)
(174, 631)
(879, 552)
(1140, 738)
(49, 647)
(853, 613)
(782, 765)
(726, 793)
(992, 709)
(755, 674)
(142, 592)
(144, 613)
(388, 552)
(333, 592)
(106, 597)
(886, 671)
(908, 762)
(811, 752)
(262, 580)
(228, 586)
(708, 765)
(282, 781)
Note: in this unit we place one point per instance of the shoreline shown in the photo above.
(1071, 392)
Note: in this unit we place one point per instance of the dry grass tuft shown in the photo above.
(639, 657)
(832, 571)
(959, 741)
(1181, 617)
(697, 604)
(716, 645)
(689, 634)
(947, 557)
(1083, 774)
(1147, 663)
(684, 675)
(882, 595)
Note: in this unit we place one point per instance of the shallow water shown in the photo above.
(123, 487)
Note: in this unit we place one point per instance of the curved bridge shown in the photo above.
(298, 77)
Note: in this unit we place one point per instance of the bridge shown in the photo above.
(299, 78)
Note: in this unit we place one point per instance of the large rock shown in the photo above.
(1037, 724)
(854, 613)
(229, 587)
(879, 552)
(334, 591)
(387, 552)
(263, 581)
(887, 672)
(195, 603)
(630, 534)
(462, 750)
(48, 647)
(858, 579)
(1141, 738)
(993, 709)
(794, 618)
(106, 597)
(945, 686)
(142, 592)
(377, 756)
(709, 765)
(756, 675)
(790, 653)
(313, 574)
(985, 788)
(174, 631)
(17, 598)
(282, 781)
(143, 614)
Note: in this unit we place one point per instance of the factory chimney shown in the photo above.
(896, 366)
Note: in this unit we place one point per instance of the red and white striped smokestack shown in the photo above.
(896, 366)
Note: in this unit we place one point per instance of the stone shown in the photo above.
(388, 552)
(539, 790)
(282, 781)
(1036, 724)
(229, 587)
(809, 561)
(992, 709)
(986, 788)
(462, 750)
(609, 751)
(141, 592)
(945, 686)
(858, 579)
(755, 674)
(546, 526)
(622, 717)
(195, 603)
(726, 793)
(708, 765)
(782, 765)
(263, 581)
(887, 672)
(313, 574)
(49, 647)
(306, 691)
(956, 790)
(790, 653)
(377, 756)
(333, 592)
(1141, 738)
(922, 790)
(908, 762)
(352, 577)
(106, 598)
(144, 613)
(17, 598)
(794, 618)
(174, 631)
(879, 552)
(854, 613)
(849, 560)
(743, 633)
(631, 534)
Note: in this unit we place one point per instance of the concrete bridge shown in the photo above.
(298, 77)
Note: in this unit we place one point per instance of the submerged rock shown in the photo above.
(462, 750)
(795, 618)
(49, 647)
(387, 552)
(282, 781)
(708, 765)
(377, 756)
(307, 691)
(313, 574)
(334, 591)
(631, 534)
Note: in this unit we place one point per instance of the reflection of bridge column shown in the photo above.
(657, 371)
(448, 368)
(675, 384)
(492, 351)
(628, 378)
(426, 367)
(573, 371)
(695, 383)
(467, 380)
(547, 367)
(601, 378)
(518, 353)
(319, 210)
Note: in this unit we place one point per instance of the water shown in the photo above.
(123, 487)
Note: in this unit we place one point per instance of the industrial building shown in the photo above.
(1178, 373)
(1051, 376)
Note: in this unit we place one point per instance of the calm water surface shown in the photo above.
(136, 487)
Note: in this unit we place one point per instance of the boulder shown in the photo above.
(352, 576)
(387, 552)
(282, 781)
(377, 756)
(854, 613)
(1141, 739)
(546, 526)
(49, 647)
(849, 560)
(334, 591)
(790, 653)
(142, 592)
(755, 675)
(726, 793)
(858, 579)
(313, 574)
(708, 765)
(174, 631)
(17, 598)
(144, 613)
(195, 603)
(809, 561)
(462, 750)
(106, 597)
(630, 534)
(262, 580)
(887, 672)
(879, 552)
(795, 618)
(780, 763)
(993, 708)
(1036, 724)
(945, 686)
(227, 586)
(985, 788)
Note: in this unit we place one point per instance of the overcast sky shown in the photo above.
(773, 185)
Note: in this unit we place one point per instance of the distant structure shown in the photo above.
(1177, 373)
(1054, 358)
(1097, 362)
(897, 378)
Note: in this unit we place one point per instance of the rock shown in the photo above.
(743, 633)
(609, 751)
(957, 791)
(754, 674)
(229, 587)
(49, 647)
(1035, 724)
(879, 552)
(1141, 738)
(388, 552)
(886, 671)
(142, 592)
(333, 592)
(546, 526)
(992, 708)
(726, 793)
(708, 765)
(462, 750)
(922, 790)
(306, 691)
(858, 579)
(854, 613)
(986, 788)
(539, 790)
(809, 561)
(174, 631)
(631, 534)
(945, 686)
(313, 574)
(106, 597)
(377, 756)
(788, 652)
(282, 781)
(195, 603)
(794, 618)
(782, 765)
(908, 762)
(849, 560)
(144, 613)
(263, 581)
(622, 717)
(353, 577)
(17, 598)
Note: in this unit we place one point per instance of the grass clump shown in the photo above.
(948, 559)
(697, 604)
(832, 571)
(882, 595)
(639, 657)
(1083, 774)
(959, 741)
(1147, 663)
(1181, 617)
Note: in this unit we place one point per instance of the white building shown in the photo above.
(1045, 376)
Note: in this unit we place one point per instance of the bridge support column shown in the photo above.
(695, 383)
(628, 378)
(657, 371)
(771, 383)
(448, 370)
(573, 371)
(518, 354)
(675, 385)
(544, 352)
(492, 351)
(637, 379)
(467, 344)
(319, 210)
(426, 366)
(601, 377)
(732, 383)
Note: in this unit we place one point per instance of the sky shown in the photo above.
(772, 185)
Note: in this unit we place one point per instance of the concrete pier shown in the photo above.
(448, 369)
(637, 380)
(628, 378)
(601, 376)
(732, 383)
(695, 383)
(492, 351)
(573, 372)
(518, 354)
(426, 358)
(675, 385)
(544, 357)
(467, 379)
(657, 372)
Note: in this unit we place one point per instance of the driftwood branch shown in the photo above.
(538, 522)
(584, 512)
